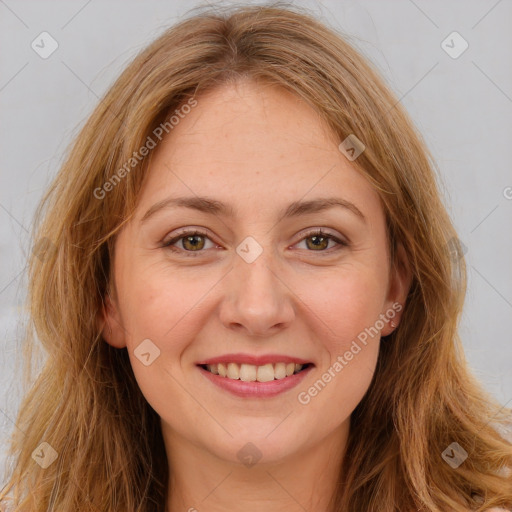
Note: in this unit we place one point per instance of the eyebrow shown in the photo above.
(214, 207)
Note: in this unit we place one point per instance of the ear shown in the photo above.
(399, 286)
(110, 323)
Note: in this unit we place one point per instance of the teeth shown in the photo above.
(248, 372)
(223, 371)
(233, 371)
(213, 368)
(280, 370)
(252, 373)
(265, 373)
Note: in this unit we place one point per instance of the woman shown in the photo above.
(249, 289)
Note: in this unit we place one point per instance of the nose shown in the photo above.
(257, 301)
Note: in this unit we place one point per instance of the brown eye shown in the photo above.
(196, 241)
(318, 241)
(189, 242)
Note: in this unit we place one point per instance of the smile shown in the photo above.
(252, 373)
(255, 377)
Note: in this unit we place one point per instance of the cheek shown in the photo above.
(169, 308)
(345, 303)
(163, 305)
(168, 311)
(345, 309)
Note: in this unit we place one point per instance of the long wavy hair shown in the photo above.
(84, 402)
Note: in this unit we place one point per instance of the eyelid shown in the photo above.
(201, 232)
(322, 232)
(339, 240)
(184, 233)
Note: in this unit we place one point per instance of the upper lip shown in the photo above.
(254, 360)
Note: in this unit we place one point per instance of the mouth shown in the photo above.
(247, 380)
(252, 373)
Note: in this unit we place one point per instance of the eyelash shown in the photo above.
(169, 244)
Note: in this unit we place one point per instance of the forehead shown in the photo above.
(250, 143)
(250, 118)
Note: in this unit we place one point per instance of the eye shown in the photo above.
(191, 241)
(194, 241)
(318, 241)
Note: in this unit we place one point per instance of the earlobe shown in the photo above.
(109, 323)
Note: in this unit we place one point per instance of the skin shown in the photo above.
(257, 148)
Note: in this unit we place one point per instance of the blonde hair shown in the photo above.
(85, 402)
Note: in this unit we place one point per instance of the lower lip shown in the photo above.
(256, 389)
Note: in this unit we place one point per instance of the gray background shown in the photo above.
(461, 105)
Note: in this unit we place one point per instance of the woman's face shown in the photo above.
(254, 169)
